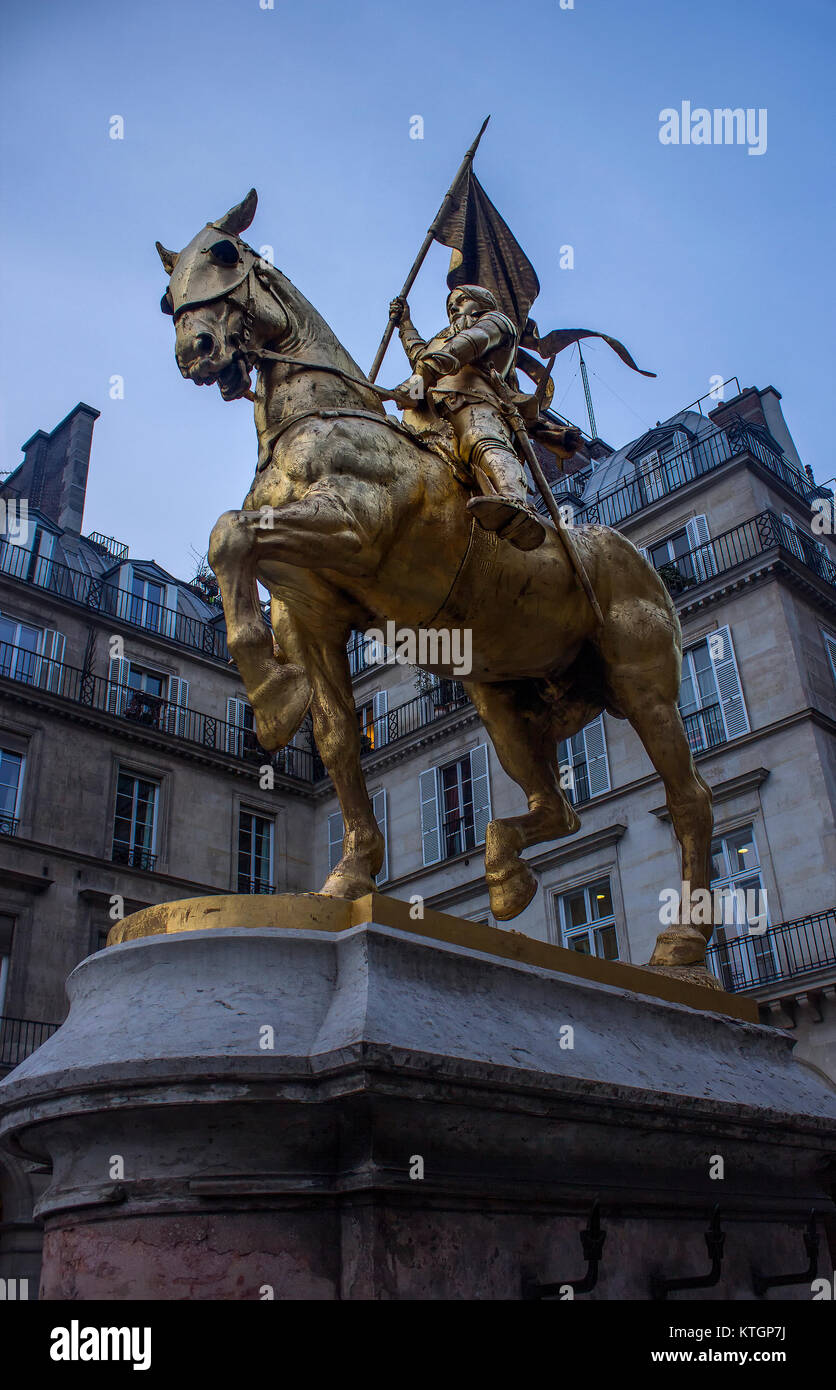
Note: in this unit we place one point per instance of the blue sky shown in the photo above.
(703, 259)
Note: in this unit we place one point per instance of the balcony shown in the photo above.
(133, 857)
(106, 598)
(760, 534)
(19, 1037)
(705, 728)
(446, 698)
(8, 825)
(646, 486)
(254, 885)
(789, 951)
(25, 668)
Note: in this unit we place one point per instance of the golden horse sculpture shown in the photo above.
(350, 522)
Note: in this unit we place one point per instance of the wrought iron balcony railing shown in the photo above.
(148, 711)
(734, 547)
(8, 824)
(649, 484)
(254, 885)
(19, 1037)
(134, 856)
(705, 728)
(107, 598)
(789, 951)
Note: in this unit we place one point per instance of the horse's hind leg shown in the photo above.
(519, 724)
(649, 702)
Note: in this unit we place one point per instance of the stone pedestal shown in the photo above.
(344, 1108)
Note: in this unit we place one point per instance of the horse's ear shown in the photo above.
(168, 258)
(238, 219)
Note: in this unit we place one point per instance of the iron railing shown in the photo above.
(107, 598)
(8, 825)
(19, 1037)
(705, 728)
(646, 485)
(445, 698)
(134, 856)
(784, 952)
(254, 885)
(148, 711)
(745, 542)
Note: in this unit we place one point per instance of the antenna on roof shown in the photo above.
(593, 428)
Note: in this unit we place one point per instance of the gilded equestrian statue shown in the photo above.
(351, 521)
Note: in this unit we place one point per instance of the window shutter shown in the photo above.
(178, 699)
(727, 675)
(379, 808)
(830, 648)
(235, 726)
(168, 616)
(481, 791)
(430, 827)
(117, 685)
(687, 693)
(380, 704)
(791, 540)
(699, 535)
(335, 840)
(43, 564)
(597, 765)
(52, 666)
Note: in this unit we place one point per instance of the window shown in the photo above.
(661, 470)
(586, 920)
(11, 782)
(148, 697)
(20, 646)
(710, 697)
(363, 652)
(255, 852)
(241, 740)
(146, 602)
(455, 806)
(746, 953)
(688, 549)
(372, 720)
(134, 826)
(830, 648)
(673, 551)
(585, 770)
(336, 831)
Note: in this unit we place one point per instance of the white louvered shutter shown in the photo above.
(52, 667)
(335, 840)
(380, 705)
(178, 699)
(481, 791)
(699, 535)
(379, 808)
(430, 818)
(597, 763)
(727, 675)
(117, 685)
(235, 708)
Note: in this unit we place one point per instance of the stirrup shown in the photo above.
(511, 520)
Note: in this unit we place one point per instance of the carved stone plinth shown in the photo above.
(343, 1108)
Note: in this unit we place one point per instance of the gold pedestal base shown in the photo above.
(690, 985)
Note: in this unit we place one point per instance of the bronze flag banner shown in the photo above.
(486, 252)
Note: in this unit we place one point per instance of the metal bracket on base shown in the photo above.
(592, 1244)
(762, 1282)
(715, 1240)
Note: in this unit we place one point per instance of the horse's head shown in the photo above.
(209, 296)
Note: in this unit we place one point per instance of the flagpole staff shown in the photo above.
(427, 243)
(517, 425)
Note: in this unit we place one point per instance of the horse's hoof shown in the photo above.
(350, 888)
(511, 890)
(679, 946)
(279, 706)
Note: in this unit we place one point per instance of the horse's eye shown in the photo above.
(224, 252)
(166, 304)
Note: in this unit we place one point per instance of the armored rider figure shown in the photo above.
(451, 374)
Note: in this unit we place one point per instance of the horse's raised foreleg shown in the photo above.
(520, 726)
(279, 692)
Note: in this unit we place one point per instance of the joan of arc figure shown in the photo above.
(451, 373)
